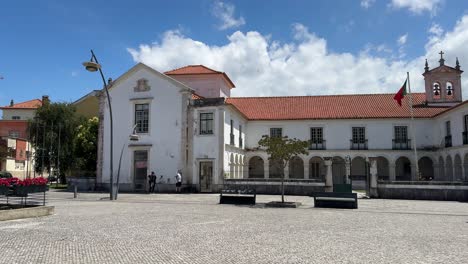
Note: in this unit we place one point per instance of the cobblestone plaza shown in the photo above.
(193, 228)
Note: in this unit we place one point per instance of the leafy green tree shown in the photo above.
(3, 151)
(282, 150)
(52, 132)
(85, 145)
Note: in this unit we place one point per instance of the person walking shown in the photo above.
(152, 181)
(178, 181)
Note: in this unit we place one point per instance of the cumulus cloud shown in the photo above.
(418, 6)
(367, 3)
(224, 12)
(261, 66)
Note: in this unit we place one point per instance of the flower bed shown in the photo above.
(23, 187)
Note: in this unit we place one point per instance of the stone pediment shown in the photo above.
(443, 69)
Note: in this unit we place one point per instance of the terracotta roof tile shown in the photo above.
(198, 69)
(196, 96)
(31, 104)
(363, 106)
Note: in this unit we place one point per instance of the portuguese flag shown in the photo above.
(401, 93)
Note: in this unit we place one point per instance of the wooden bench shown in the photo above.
(335, 200)
(238, 196)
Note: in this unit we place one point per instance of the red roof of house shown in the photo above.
(359, 106)
(196, 70)
(31, 104)
(196, 96)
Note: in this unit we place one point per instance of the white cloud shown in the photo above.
(260, 66)
(367, 3)
(418, 6)
(402, 39)
(436, 30)
(225, 13)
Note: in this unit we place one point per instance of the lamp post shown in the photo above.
(132, 137)
(93, 66)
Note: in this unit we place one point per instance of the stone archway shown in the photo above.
(236, 166)
(403, 169)
(231, 166)
(359, 172)
(296, 168)
(317, 168)
(465, 164)
(426, 168)
(338, 170)
(448, 168)
(256, 167)
(441, 169)
(458, 170)
(383, 171)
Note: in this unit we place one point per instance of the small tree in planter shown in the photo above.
(283, 149)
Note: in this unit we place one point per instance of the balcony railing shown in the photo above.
(317, 144)
(465, 137)
(232, 139)
(401, 144)
(358, 144)
(448, 141)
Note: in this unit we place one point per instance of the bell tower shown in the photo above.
(443, 83)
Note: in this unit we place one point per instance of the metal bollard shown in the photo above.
(75, 191)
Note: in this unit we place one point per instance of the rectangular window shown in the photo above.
(206, 123)
(276, 132)
(466, 123)
(16, 117)
(447, 129)
(14, 134)
(359, 135)
(316, 135)
(401, 134)
(142, 118)
(232, 132)
(240, 136)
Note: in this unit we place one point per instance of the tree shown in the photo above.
(85, 145)
(3, 152)
(283, 149)
(52, 132)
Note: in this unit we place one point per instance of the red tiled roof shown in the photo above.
(359, 106)
(31, 104)
(198, 69)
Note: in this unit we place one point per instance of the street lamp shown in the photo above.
(132, 137)
(93, 66)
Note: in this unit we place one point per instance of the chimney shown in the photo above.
(45, 100)
(11, 102)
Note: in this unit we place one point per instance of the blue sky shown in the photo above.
(266, 47)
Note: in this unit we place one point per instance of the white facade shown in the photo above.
(178, 139)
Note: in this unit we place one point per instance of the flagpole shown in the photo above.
(412, 126)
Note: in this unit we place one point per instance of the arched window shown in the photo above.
(449, 88)
(436, 90)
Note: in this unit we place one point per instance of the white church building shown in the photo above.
(187, 120)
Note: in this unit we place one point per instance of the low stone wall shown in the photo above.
(85, 184)
(28, 212)
(420, 190)
(273, 186)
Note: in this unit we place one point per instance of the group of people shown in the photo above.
(152, 181)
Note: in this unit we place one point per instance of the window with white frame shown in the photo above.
(142, 118)
(359, 134)
(14, 133)
(447, 129)
(276, 132)
(401, 134)
(206, 123)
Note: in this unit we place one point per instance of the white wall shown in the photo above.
(24, 114)
(208, 85)
(456, 118)
(338, 133)
(165, 125)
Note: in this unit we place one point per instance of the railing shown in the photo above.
(232, 139)
(401, 144)
(358, 144)
(448, 141)
(465, 137)
(317, 144)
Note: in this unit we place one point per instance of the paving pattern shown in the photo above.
(170, 228)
